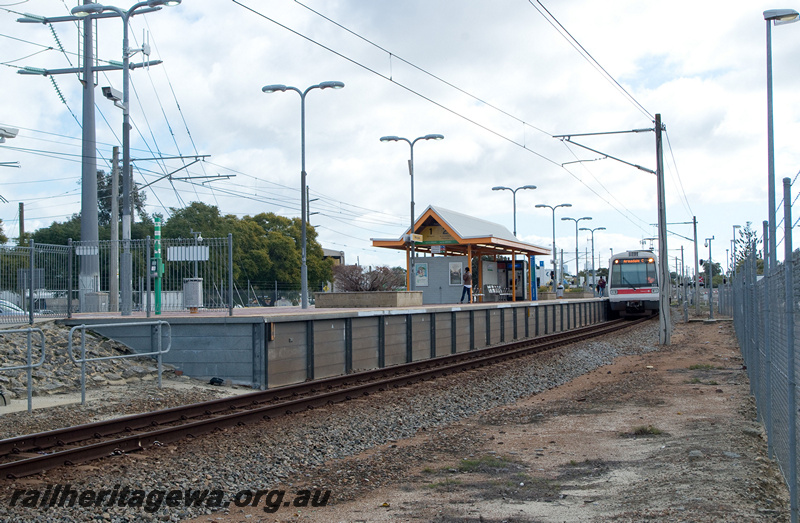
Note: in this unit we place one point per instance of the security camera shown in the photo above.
(8, 132)
(112, 94)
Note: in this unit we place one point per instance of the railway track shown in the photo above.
(31, 454)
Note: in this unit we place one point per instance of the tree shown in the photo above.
(197, 217)
(3, 237)
(280, 232)
(59, 233)
(352, 278)
(746, 245)
(104, 187)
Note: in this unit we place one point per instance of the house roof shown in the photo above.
(460, 231)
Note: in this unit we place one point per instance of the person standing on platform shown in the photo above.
(467, 286)
(601, 286)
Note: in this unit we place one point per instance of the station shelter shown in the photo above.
(446, 243)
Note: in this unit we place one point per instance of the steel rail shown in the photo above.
(429, 370)
(130, 423)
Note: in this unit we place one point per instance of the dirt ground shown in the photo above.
(667, 436)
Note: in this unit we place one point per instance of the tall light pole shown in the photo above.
(576, 220)
(282, 88)
(733, 248)
(594, 275)
(541, 206)
(93, 9)
(777, 17)
(411, 275)
(514, 199)
(709, 281)
(514, 255)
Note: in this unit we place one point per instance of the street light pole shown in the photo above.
(594, 274)
(541, 206)
(283, 88)
(576, 220)
(709, 281)
(778, 17)
(514, 255)
(411, 275)
(93, 9)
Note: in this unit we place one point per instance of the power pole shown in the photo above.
(664, 324)
(21, 222)
(113, 276)
(696, 271)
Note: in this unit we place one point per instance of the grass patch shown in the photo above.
(698, 381)
(447, 484)
(642, 431)
(701, 366)
(492, 464)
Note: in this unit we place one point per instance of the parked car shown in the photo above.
(8, 308)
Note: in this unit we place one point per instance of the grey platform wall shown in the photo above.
(271, 351)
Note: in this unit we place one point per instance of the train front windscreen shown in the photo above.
(633, 273)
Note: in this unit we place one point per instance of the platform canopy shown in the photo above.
(442, 231)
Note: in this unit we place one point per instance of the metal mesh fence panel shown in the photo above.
(761, 325)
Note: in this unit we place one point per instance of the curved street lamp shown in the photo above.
(514, 255)
(283, 88)
(410, 276)
(576, 220)
(93, 9)
(540, 206)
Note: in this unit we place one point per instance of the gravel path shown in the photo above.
(281, 453)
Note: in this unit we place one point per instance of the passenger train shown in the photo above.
(633, 283)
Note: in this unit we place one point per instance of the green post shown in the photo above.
(158, 269)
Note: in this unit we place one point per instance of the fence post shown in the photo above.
(149, 276)
(230, 274)
(788, 269)
(69, 278)
(767, 346)
(30, 281)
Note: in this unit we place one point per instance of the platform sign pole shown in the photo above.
(159, 267)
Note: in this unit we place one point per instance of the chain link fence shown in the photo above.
(765, 323)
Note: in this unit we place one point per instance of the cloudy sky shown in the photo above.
(498, 79)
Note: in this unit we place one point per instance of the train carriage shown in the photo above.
(633, 283)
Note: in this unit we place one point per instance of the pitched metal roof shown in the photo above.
(468, 230)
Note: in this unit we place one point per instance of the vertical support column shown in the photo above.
(488, 327)
(536, 328)
(561, 317)
(453, 346)
(69, 278)
(527, 322)
(259, 344)
(433, 334)
(381, 342)
(348, 345)
(514, 311)
(502, 325)
(310, 350)
(791, 407)
(409, 338)
(767, 345)
(230, 274)
(471, 329)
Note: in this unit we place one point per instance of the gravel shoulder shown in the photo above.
(631, 432)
